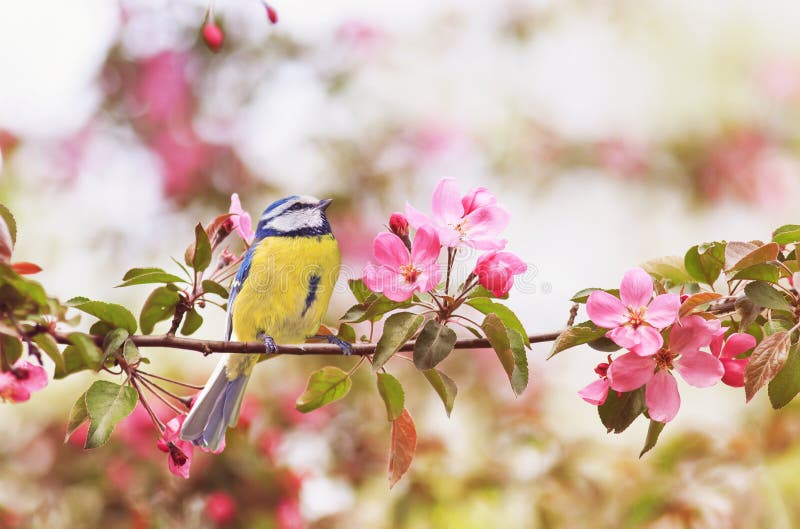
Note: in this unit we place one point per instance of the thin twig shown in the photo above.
(219, 346)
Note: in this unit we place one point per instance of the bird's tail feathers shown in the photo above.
(216, 408)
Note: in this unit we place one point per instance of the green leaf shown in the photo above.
(153, 277)
(790, 233)
(159, 306)
(101, 328)
(114, 341)
(10, 221)
(130, 352)
(48, 344)
(89, 352)
(582, 295)
(191, 322)
(697, 300)
(487, 306)
(78, 415)
(212, 287)
(111, 313)
(73, 362)
(199, 254)
(653, 431)
(359, 290)
(507, 343)
(482, 292)
(444, 387)
(670, 269)
(786, 384)
(766, 361)
(397, 330)
(107, 403)
(346, 333)
(578, 334)
(434, 343)
(705, 262)
(765, 295)
(327, 385)
(12, 349)
(762, 272)
(135, 272)
(392, 394)
(619, 412)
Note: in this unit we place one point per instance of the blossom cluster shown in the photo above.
(660, 342)
(403, 267)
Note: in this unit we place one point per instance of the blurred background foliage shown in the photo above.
(614, 131)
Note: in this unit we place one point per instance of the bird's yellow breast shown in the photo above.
(287, 291)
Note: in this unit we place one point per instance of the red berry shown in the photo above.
(213, 36)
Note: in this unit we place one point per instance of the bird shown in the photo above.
(280, 294)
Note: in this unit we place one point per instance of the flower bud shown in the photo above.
(398, 224)
(271, 13)
(213, 36)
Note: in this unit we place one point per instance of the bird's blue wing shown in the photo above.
(236, 286)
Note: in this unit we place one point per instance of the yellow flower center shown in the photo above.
(636, 316)
(410, 272)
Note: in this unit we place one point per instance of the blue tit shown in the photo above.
(279, 295)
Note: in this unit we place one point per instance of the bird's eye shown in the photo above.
(296, 207)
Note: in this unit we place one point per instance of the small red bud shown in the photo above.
(398, 224)
(213, 36)
(271, 13)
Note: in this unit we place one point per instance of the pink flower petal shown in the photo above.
(425, 248)
(486, 222)
(605, 310)
(699, 369)
(36, 376)
(663, 310)
(390, 251)
(432, 275)
(649, 341)
(477, 197)
(662, 397)
(631, 371)
(716, 345)
(689, 334)
(380, 278)
(446, 202)
(624, 336)
(399, 291)
(734, 371)
(636, 288)
(417, 218)
(737, 344)
(596, 392)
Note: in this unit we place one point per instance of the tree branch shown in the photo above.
(218, 346)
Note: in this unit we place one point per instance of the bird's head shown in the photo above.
(294, 216)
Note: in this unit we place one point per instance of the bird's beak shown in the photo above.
(323, 204)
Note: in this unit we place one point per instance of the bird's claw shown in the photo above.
(269, 344)
(346, 347)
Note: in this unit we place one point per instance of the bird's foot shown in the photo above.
(269, 344)
(346, 347)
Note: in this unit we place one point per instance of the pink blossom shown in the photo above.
(399, 273)
(180, 452)
(288, 515)
(496, 271)
(23, 379)
(635, 321)
(596, 392)
(735, 345)
(700, 369)
(221, 507)
(242, 222)
(474, 220)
